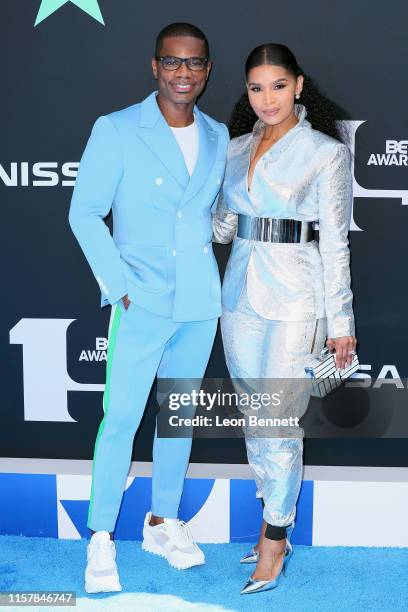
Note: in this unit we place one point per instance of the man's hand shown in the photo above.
(126, 301)
(345, 347)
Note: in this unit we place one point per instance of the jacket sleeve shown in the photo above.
(225, 222)
(99, 174)
(335, 192)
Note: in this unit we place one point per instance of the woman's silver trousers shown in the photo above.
(257, 348)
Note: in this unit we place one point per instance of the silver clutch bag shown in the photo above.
(325, 375)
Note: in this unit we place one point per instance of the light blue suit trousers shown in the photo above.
(135, 354)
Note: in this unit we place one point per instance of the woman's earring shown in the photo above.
(297, 96)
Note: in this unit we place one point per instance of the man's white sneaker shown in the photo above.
(101, 574)
(172, 540)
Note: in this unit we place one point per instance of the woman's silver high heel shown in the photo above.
(256, 586)
(250, 557)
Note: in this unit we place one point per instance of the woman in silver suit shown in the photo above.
(284, 293)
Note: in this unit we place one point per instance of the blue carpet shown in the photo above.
(326, 579)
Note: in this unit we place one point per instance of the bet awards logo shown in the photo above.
(47, 7)
(96, 354)
(46, 380)
(395, 154)
(397, 148)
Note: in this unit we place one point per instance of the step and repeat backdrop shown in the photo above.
(64, 63)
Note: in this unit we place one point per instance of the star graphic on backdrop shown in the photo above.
(48, 7)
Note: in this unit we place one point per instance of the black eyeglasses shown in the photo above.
(171, 62)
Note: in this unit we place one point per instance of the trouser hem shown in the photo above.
(165, 511)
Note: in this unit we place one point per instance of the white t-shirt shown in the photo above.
(188, 141)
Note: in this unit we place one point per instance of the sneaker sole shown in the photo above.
(100, 589)
(156, 550)
(151, 548)
(182, 566)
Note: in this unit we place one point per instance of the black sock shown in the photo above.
(275, 533)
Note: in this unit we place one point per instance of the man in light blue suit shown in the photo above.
(158, 166)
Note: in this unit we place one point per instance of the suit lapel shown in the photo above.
(157, 135)
(208, 142)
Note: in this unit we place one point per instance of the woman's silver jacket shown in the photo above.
(305, 175)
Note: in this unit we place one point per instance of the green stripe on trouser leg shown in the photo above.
(113, 330)
(145, 344)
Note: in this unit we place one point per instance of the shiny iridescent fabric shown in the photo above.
(281, 300)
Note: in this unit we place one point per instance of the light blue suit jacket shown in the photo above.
(160, 253)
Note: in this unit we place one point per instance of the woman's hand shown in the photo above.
(345, 347)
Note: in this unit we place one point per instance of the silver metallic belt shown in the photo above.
(268, 229)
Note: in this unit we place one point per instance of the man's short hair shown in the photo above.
(181, 29)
